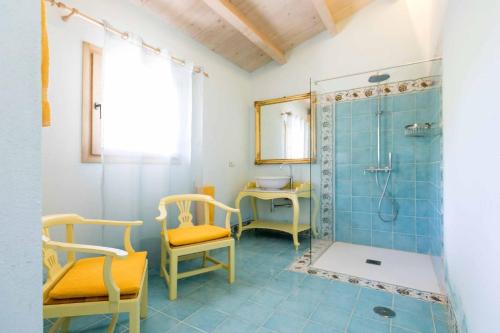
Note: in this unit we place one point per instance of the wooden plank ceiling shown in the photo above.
(250, 33)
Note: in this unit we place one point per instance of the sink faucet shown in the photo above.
(290, 173)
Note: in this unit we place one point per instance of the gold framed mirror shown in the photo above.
(285, 130)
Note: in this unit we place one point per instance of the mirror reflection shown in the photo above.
(283, 130)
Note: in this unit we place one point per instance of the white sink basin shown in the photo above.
(272, 183)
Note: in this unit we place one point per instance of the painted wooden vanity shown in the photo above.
(294, 193)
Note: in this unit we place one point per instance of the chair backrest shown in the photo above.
(50, 257)
(183, 202)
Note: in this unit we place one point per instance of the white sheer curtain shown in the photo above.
(297, 136)
(152, 115)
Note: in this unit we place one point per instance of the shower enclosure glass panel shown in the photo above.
(379, 138)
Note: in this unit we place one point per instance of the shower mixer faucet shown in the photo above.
(387, 168)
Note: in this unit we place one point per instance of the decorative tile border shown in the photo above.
(303, 265)
(326, 229)
(383, 89)
(458, 319)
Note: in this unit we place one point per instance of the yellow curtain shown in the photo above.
(45, 69)
(200, 207)
(210, 190)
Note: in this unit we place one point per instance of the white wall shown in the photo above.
(20, 188)
(385, 33)
(472, 160)
(69, 185)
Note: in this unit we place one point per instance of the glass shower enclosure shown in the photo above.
(378, 173)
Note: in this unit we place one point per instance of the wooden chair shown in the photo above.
(116, 281)
(189, 240)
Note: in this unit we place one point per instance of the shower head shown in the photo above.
(378, 78)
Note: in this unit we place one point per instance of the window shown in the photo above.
(91, 103)
(148, 100)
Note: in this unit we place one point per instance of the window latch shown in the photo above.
(98, 106)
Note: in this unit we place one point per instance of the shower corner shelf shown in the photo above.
(418, 129)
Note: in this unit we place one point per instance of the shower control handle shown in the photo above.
(390, 160)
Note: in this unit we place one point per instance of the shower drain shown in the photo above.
(384, 312)
(373, 262)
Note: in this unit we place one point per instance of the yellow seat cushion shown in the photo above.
(196, 234)
(85, 277)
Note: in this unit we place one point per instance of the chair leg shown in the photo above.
(65, 325)
(163, 258)
(172, 285)
(205, 255)
(54, 328)
(112, 325)
(230, 259)
(134, 321)
(144, 298)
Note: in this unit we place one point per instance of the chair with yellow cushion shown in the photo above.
(188, 239)
(113, 282)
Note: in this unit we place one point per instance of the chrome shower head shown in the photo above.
(378, 78)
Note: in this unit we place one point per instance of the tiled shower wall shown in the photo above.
(415, 181)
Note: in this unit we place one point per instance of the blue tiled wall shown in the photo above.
(415, 182)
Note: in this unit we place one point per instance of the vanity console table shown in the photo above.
(294, 192)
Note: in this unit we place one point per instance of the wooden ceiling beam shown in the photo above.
(325, 12)
(240, 22)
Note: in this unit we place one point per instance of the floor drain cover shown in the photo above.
(373, 262)
(384, 312)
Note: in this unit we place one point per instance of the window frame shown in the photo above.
(91, 103)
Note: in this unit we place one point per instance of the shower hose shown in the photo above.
(384, 193)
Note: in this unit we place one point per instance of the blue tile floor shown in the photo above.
(268, 298)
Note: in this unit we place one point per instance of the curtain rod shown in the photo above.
(75, 12)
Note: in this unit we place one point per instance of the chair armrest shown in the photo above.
(127, 224)
(82, 248)
(108, 252)
(113, 223)
(222, 206)
(228, 210)
(161, 217)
